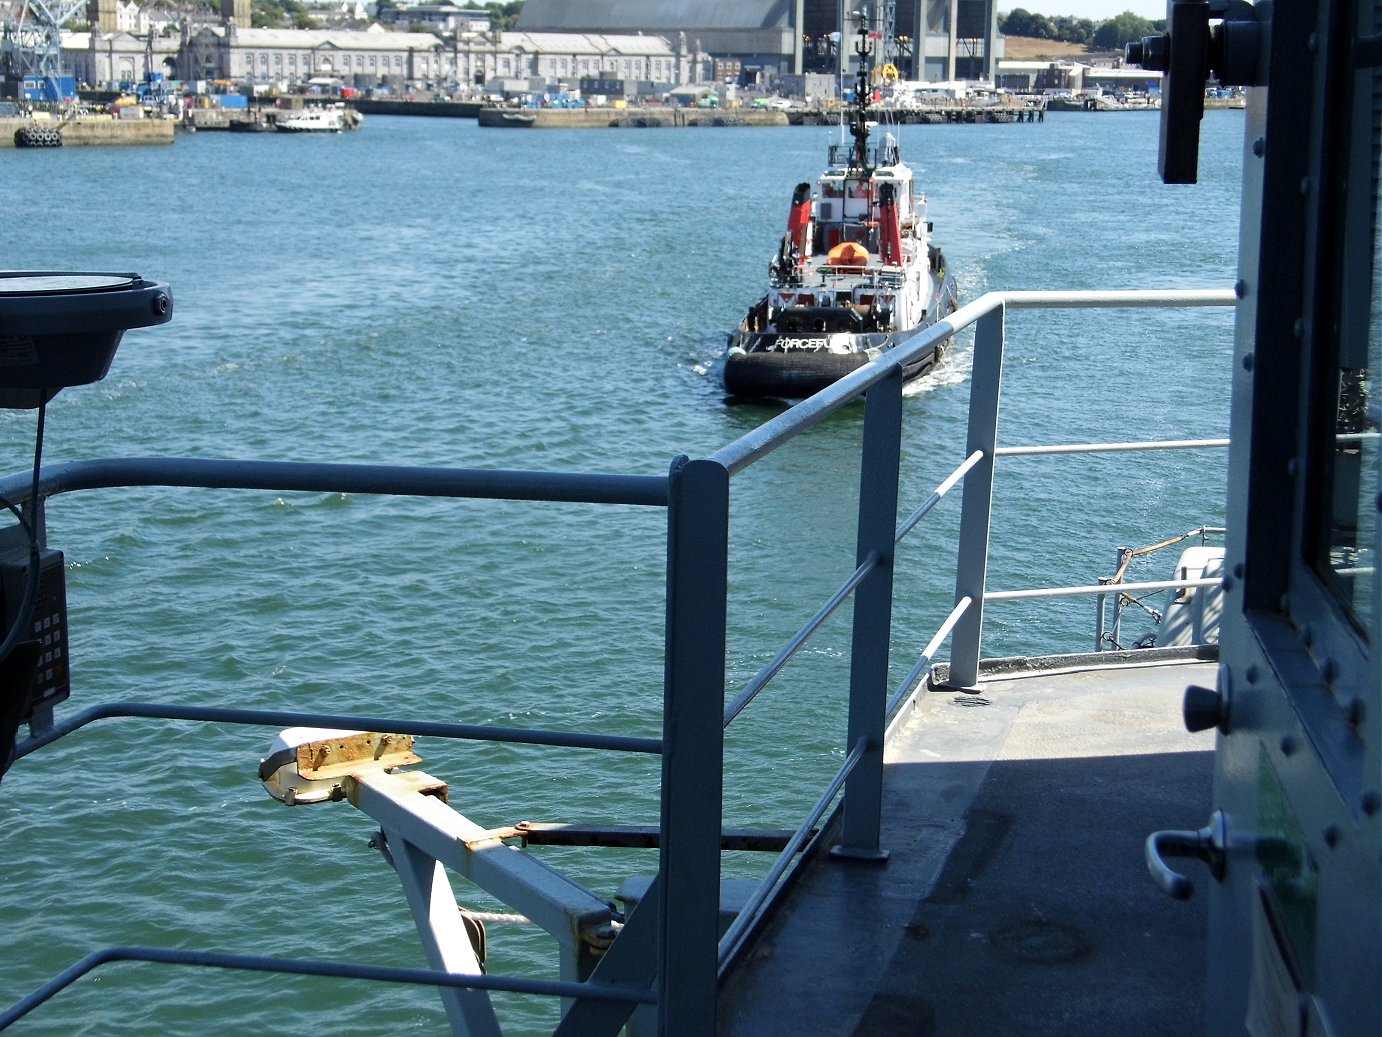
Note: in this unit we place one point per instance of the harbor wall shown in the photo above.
(639, 117)
(433, 109)
(592, 118)
(98, 132)
(935, 116)
(600, 118)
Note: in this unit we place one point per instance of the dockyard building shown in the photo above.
(931, 39)
(343, 15)
(436, 17)
(1073, 77)
(129, 16)
(119, 57)
(288, 58)
(592, 46)
(458, 53)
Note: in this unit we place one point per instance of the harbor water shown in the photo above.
(428, 292)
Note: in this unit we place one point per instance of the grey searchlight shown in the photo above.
(61, 329)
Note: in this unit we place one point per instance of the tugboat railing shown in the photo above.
(675, 956)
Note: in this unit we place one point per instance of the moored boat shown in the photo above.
(855, 275)
(318, 120)
(254, 124)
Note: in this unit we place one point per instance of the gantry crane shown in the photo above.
(31, 37)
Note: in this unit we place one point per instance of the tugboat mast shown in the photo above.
(858, 115)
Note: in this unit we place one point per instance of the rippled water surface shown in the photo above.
(426, 292)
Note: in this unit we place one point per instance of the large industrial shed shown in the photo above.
(725, 28)
(959, 40)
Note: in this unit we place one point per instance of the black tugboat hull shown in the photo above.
(757, 366)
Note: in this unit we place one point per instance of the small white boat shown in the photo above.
(313, 120)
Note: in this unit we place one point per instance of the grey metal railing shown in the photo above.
(670, 951)
(878, 533)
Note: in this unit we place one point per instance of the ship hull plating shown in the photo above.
(794, 366)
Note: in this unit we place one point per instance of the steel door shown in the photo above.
(1296, 911)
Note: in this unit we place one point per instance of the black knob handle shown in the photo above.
(1150, 52)
(1202, 708)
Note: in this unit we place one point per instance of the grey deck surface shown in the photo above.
(1016, 899)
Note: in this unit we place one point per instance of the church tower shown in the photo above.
(239, 10)
(101, 15)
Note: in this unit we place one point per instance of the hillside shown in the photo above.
(1026, 48)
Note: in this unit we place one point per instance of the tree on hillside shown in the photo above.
(505, 15)
(1023, 22)
(274, 14)
(1109, 35)
(1126, 28)
(1074, 30)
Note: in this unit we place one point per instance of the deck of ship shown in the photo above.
(1015, 899)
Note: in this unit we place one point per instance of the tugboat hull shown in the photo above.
(772, 365)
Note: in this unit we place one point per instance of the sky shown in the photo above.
(1095, 10)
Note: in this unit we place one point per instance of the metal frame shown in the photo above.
(669, 952)
(1298, 768)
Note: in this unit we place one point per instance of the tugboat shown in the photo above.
(855, 275)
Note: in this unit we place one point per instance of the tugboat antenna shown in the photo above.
(858, 121)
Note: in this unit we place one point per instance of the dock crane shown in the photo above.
(31, 38)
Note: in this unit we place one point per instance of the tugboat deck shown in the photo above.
(1015, 899)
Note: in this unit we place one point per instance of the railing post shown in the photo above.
(1117, 633)
(693, 746)
(971, 570)
(873, 600)
(1100, 611)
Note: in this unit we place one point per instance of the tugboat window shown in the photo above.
(1349, 481)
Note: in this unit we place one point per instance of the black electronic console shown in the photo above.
(46, 629)
(61, 329)
(56, 330)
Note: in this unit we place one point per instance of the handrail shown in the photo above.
(1168, 298)
(349, 478)
(1103, 588)
(1106, 448)
(685, 956)
(757, 443)
(287, 476)
(732, 941)
(947, 484)
(312, 967)
(761, 679)
(769, 436)
(338, 721)
(928, 653)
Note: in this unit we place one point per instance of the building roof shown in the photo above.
(375, 39)
(305, 39)
(668, 16)
(1130, 75)
(123, 41)
(1004, 65)
(434, 9)
(584, 43)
